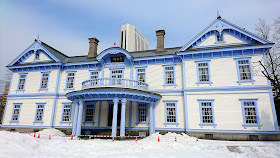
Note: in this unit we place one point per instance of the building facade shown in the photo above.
(131, 39)
(213, 84)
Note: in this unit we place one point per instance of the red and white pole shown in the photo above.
(49, 137)
(197, 139)
(34, 135)
(136, 139)
(175, 139)
(89, 138)
(79, 138)
(158, 139)
(72, 137)
(39, 135)
(113, 139)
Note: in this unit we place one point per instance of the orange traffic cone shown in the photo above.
(175, 139)
(89, 138)
(158, 139)
(136, 139)
(72, 137)
(113, 139)
(196, 139)
(34, 135)
(39, 135)
(49, 137)
(79, 138)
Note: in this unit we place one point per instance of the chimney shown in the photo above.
(93, 43)
(160, 40)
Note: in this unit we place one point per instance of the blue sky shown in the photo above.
(67, 24)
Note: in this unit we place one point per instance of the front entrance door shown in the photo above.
(110, 114)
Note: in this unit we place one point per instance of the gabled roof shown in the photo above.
(219, 25)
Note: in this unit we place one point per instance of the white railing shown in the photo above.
(114, 82)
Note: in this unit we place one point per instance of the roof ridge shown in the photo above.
(53, 48)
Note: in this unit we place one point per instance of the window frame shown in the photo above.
(137, 114)
(136, 74)
(174, 75)
(42, 121)
(85, 113)
(16, 121)
(37, 52)
(67, 75)
(121, 82)
(238, 70)
(216, 38)
(62, 112)
(176, 113)
(42, 76)
(90, 71)
(209, 72)
(245, 125)
(213, 114)
(21, 74)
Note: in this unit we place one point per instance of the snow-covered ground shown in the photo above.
(13, 144)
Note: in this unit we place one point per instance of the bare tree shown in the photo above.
(3, 81)
(271, 69)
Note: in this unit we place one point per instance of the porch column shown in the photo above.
(80, 115)
(151, 118)
(115, 116)
(122, 130)
(75, 118)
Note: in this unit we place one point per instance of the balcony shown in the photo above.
(114, 82)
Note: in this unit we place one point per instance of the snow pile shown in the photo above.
(51, 131)
(13, 144)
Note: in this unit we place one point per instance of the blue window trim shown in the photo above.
(209, 72)
(14, 104)
(94, 107)
(213, 114)
(37, 52)
(19, 81)
(67, 80)
(44, 89)
(116, 69)
(216, 38)
(136, 74)
(147, 113)
(257, 113)
(37, 104)
(238, 73)
(98, 71)
(61, 120)
(164, 81)
(165, 111)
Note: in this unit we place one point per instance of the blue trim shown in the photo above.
(170, 129)
(137, 114)
(56, 95)
(17, 121)
(136, 74)
(209, 72)
(238, 70)
(113, 50)
(85, 114)
(20, 77)
(176, 113)
(231, 131)
(63, 107)
(73, 88)
(31, 95)
(44, 89)
(99, 113)
(130, 112)
(42, 121)
(174, 75)
(213, 114)
(229, 88)
(257, 113)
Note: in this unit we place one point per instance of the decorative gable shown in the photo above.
(35, 53)
(221, 32)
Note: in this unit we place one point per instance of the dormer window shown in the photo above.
(117, 59)
(219, 38)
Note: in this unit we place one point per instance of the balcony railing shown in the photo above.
(114, 82)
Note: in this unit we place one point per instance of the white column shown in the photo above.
(115, 116)
(122, 130)
(80, 115)
(151, 118)
(75, 118)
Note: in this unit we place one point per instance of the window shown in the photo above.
(117, 59)
(171, 113)
(39, 112)
(141, 74)
(206, 113)
(21, 82)
(116, 75)
(16, 113)
(142, 113)
(203, 72)
(250, 112)
(244, 70)
(37, 56)
(93, 75)
(169, 75)
(44, 80)
(219, 38)
(66, 113)
(89, 113)
(70, 80)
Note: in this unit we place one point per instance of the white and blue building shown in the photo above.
(211, 85)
